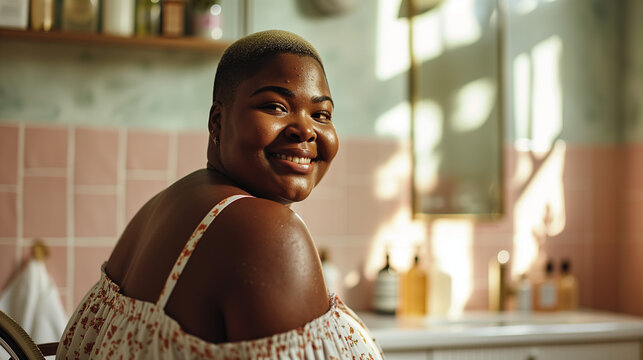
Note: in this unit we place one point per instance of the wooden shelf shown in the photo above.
(150, 42)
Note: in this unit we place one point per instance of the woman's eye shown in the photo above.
(275, 107)
(322, 116)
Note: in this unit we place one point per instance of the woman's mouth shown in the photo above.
(295, 159)
(297, 164)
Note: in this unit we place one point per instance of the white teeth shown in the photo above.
(295, 159)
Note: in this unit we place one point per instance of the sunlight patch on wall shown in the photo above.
(538, 106)
(393, 176)
(524, 7)
(396, 122)
(392, 57)
(427, 42)
(539, 212)
(451, 241)
(522, 94)
(547, 93)
(429, 123)
(473, 104)
(461, 27)
(401, 237)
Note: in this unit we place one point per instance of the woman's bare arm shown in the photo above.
(274, 281)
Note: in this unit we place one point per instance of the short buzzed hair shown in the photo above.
(243, 58)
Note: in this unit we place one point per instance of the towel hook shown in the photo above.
(39, 250)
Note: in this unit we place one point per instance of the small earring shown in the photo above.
(216, 140)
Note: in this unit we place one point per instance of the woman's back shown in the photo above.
(229, 252)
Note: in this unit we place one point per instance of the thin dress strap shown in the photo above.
(183, 258)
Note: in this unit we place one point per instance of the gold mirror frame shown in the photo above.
(493, 196)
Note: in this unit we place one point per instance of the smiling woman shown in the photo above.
(253, 287)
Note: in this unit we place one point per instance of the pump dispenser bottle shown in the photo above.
(568, 289)
(546, 291)
(414, 291)
(385, 294)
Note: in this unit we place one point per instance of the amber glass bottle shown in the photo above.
(414, 291)
(546, 291)
(568, 288)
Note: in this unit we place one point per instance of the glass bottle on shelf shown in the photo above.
(42, 14)
(173, 18)
(80, 15)
(207, 19)
(148, 17)
(14, 14)
(118, 17)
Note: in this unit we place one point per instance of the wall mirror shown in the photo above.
(456, 92)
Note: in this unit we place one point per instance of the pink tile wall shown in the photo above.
(9, 154)
(77, 187)
(631, 267)
(46, 147)
(8, 214)
(95, 156)
(96, 215)
(45, 206)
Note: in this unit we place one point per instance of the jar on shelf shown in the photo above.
(14, 14)
(173, 18)
(80, 15)
(42, 14)
(118, 17)
(148, 17)
(207, 19)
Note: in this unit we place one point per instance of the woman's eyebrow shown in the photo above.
(322, 98)
(289, 93)
(278, 89)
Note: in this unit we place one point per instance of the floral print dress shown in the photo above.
(110, 325)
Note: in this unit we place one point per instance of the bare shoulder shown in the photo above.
(274, 281)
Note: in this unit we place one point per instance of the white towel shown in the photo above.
(33, 301)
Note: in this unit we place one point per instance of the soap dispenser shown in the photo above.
(385, 293)
(546, 291)
(568, 289)
(414, 290)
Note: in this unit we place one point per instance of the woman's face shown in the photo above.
(276, 140)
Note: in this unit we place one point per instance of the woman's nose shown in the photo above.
(301, 130)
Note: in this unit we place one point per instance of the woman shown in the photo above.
(253, 287)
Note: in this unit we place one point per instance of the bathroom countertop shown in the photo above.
(486, 328)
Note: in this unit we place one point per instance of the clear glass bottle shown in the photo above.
(207, 19)
(80, 15)
(148, 17)
(524, 294)
(546, 291)
(332, 275)
(386, 291)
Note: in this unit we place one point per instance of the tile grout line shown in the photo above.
(121, 176)
(20, 192)
(71, 151)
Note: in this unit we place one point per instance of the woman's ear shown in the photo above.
(214, 121)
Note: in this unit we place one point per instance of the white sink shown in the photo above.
(486, 328)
